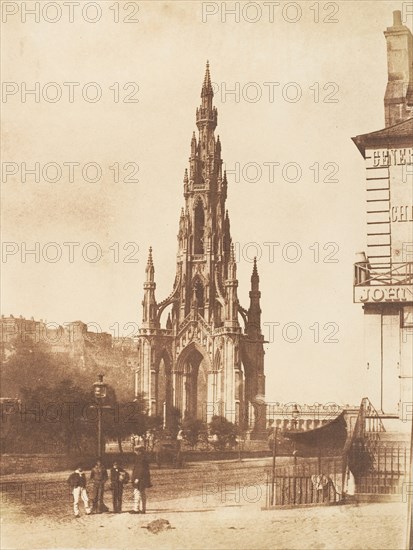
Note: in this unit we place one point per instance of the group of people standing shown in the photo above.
(118, 478)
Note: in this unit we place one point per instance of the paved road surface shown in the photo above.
(209, 506)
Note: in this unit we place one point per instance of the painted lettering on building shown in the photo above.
(402, 213)
(393, 157)
(377, 294)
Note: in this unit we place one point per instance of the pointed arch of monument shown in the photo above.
(191, 376)
(165, 311)
(164, 355)
(188, 350)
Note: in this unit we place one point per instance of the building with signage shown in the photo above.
(208, 357)
(383, 281)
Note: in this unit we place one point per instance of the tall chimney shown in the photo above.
(398, 100)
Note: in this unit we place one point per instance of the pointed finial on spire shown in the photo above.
(207, 86)
(232, 264)
(149, 265)
(207, 114)
(255, 279)
(150, 271)
(254, 269)
(169, 322)
(207, 75)
(254, 311)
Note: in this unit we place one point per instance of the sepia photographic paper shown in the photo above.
(206, 274)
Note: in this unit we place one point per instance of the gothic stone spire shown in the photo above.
(149, 302)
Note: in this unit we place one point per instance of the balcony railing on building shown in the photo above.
(393, 273)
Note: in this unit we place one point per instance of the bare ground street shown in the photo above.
(209, 506)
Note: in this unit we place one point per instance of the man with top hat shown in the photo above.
(141, 480)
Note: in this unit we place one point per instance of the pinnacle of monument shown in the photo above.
(207, 85)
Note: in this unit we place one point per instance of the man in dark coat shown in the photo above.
(98, 476)
(141, 480)
(77, 483)
(118, 478)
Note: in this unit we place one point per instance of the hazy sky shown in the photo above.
(164, 54)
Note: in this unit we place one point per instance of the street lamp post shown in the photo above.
(99, 391)
(274, 455)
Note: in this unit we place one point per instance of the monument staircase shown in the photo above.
(377, 453)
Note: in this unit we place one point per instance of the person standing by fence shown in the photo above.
(141, 481)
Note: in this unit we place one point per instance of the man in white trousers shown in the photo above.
(77, 483)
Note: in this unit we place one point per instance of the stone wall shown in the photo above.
(20, 464)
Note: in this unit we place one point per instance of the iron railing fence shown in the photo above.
(311, 481)
(382, 471)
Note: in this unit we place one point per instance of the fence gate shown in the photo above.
(314, 481)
